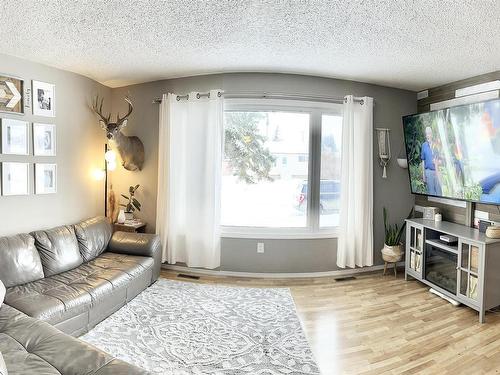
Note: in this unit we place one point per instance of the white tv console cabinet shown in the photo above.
(467, 272)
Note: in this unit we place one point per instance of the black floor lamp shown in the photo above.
(105, 181)
(102, 174)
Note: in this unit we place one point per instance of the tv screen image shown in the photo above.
(455, 152)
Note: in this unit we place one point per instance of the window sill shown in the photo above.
(277, 235)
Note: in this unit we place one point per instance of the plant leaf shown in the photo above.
(136, 204)
(124, 196)
(394, 232)
(400, 234)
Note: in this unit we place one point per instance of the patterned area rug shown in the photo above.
(181, 328)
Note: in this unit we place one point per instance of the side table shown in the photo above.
(135, 227)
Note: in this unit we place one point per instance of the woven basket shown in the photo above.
(493, 232)
(392, 254)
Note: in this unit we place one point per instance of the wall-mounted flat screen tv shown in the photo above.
(455, 152)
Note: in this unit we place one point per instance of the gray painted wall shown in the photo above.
(281, 255)
(80, 147)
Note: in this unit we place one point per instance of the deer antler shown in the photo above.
(98, 109)
(119, 121)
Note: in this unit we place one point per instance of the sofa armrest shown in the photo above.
(140, 244)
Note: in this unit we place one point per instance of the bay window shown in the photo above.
(281, 168)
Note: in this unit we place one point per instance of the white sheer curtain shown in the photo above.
(189, 175)
(355, 246)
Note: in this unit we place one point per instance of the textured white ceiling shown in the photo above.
(401, 43)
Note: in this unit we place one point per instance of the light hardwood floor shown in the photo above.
(381, 325)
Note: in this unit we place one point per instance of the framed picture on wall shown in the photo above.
(15, 178)
(45, 178)
(44, 99)
(11, 94)
(44, 139)
(15, 135)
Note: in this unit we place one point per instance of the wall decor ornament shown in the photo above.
(15, 137)
(45, 178)
(44, 139)
(130, 148)
(44, 101)
(11, 94)
(384, 148)
(15, 177)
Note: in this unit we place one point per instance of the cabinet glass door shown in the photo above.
(415, 251)
(468, 270)
(416, 238)
(474, 258)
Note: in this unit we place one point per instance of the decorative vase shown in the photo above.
(129, 215)
(392, 254)
(121, 217)
(403, 163)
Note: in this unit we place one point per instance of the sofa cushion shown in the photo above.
(31, 346)
(58, 249)
(130, 264)
(70, 293)
(19, 260)
(93, 237)
(49, 299)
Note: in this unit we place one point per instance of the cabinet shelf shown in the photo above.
(436, 243)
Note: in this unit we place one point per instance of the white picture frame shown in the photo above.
(44, 99)
(15, 178)
(44, 139)
(15, 136)
(45, 178)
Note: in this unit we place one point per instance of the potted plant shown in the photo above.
(393, 248)
(131, 205)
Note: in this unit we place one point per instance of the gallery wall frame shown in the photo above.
(15, 178)
(44, 139)
(15, 136)
(11, 94)
(44, 98)
(45, 178)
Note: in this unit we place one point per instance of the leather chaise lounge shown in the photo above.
(60, 283)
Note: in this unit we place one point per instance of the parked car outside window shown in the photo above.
(329, 196)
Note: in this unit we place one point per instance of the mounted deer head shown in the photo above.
(130, 148)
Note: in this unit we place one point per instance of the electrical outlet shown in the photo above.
(260, 247)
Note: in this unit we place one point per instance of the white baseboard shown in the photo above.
(270, 275)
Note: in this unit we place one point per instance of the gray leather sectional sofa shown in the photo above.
(60, 283)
